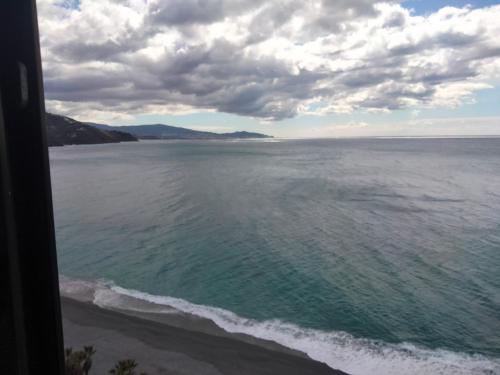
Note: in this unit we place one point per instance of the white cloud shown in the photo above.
(271, 60)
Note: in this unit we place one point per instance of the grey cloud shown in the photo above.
(335, 12)
(396, 19)
(231, 76)
(79, 83)
(270, 19)
(450, 39)
(186, 12)
(368, 77)
(90, 51)
(179, 12)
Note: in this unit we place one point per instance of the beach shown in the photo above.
(160, 348)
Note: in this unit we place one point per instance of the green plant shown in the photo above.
(87, 363)
(125, 367)
(78, 362)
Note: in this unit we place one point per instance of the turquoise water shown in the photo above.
(386, 251)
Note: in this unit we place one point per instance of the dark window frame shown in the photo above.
(30, 315)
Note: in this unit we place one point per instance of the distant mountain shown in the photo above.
(63, 130)
(161, 131)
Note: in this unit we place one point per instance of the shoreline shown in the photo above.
(330, 350)
(162, 345)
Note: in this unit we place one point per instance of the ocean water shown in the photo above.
(375, 256)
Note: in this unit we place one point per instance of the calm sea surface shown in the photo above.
(376, 256)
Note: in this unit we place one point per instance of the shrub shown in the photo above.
(80, 362)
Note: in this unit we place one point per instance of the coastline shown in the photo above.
(162, 347)
(331, 350)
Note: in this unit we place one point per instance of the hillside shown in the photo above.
(161, 131)
(63, 130)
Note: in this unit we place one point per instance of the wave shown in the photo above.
(339, 350)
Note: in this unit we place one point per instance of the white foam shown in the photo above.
(78, 289)
(338, 350)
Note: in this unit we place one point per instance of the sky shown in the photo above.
(288, 68)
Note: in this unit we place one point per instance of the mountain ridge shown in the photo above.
(62, 130)
(163, 131)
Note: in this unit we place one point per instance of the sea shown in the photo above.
(375, 256)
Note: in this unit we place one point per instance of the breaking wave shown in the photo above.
(339, 350)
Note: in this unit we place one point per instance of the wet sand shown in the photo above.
(167, 347)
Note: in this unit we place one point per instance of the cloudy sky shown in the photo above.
(290, 68)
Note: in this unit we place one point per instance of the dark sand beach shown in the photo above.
(162, 348)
